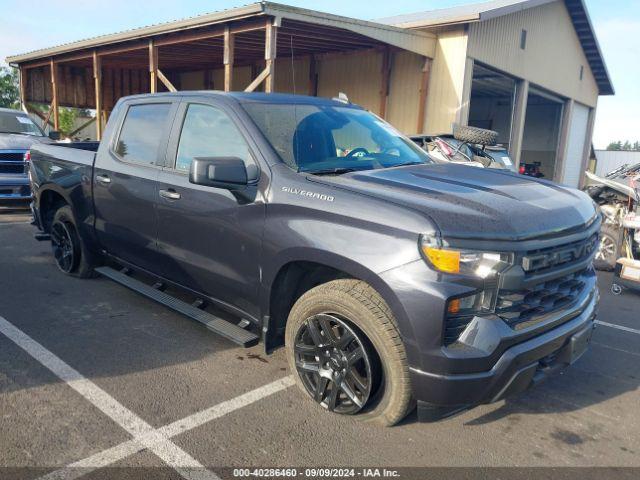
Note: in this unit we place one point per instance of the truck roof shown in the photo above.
(253, 97)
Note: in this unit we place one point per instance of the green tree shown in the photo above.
(9, 88)
(615, 146)
(67, 120)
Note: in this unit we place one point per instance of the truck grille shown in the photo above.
(517, 307)
(12, 162)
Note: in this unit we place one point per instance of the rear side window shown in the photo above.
(209, 132)
(141, 133)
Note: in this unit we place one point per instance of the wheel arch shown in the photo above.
(302, 271)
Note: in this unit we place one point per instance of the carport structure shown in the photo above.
(266, 46)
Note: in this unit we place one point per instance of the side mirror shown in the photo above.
(220, 172)
(54, 135)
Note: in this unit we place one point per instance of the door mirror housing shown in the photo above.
(220, 172)
(54, 135)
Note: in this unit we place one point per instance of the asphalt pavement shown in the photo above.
(98, 382)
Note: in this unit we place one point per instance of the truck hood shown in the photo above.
(16, 141)
(467, 202)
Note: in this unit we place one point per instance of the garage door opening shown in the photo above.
(492, 99)
(541, 132)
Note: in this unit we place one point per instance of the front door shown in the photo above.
(125, 182)
(210, 237)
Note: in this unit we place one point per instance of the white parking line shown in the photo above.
(170, 453)
(618, 327)
(128, 448)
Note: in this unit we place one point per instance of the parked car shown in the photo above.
(388, 278)
(17, 134)
(462, 147)
(531, 170)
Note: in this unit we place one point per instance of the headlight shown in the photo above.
(464, 262)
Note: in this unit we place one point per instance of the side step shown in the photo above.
(217, 325)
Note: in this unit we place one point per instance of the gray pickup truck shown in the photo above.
(311, 223)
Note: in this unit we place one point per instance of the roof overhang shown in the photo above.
(497, 8)
(422, 43)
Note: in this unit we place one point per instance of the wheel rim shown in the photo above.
(63, 248)
(333, 364)
(606, 248)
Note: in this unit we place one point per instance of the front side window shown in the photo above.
(330, 139)
(208, 132)
(142, 132)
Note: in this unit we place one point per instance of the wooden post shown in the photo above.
(587, 145)
(424, 92)
(229, 53)
(54, 95)
(271, 37)
(97, 78)
(153, 66)
(23, 89)
(385, 81)
(313, 76)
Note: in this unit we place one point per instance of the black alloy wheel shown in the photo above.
(334, 364)
(64, 249)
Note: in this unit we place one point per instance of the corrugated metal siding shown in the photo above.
(286, 73)
(553, 55)
(610, 160)
(404, 91)
(446, 86)
(358, 75)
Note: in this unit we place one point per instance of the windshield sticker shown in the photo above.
(25, 120)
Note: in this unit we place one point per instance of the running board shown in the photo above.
(217, 325)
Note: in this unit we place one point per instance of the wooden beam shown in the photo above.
(23, 89)
(153, 66)
(54, 95)
(45, 120)
(165, 81)
(266, 73)
(313, 76)
(424, 92)
(518, 119)
(36, 112)
(81, 127)
(270, 45)
(97, 79)
(229, 54)
(385, 81)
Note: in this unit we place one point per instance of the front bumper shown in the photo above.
(519, 367)
(14, 189)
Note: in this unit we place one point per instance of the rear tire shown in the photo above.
(608, 249)
(353, 308)
(475, 135)
(70, 254)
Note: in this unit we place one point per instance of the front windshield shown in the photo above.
(329, 139)
(20, 123)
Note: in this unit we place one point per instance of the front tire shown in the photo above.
(345, 351)
(70, 254)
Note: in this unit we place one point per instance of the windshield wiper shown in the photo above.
(409, 163)
(331, 171)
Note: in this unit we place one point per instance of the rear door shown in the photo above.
(210, 237)
(125, 181)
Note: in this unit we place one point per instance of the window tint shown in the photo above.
(142, 132)
(208, 132)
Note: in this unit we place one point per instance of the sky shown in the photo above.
(27, 25)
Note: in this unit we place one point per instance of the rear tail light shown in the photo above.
(522, 170)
